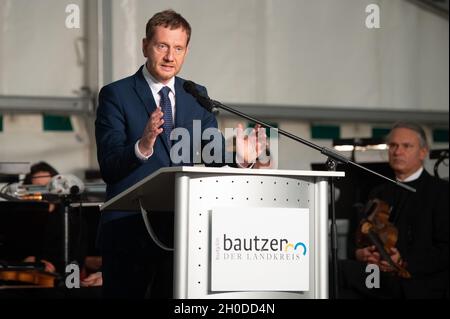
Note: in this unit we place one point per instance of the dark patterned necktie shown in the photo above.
(166, 108)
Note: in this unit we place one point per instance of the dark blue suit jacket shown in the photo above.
(124, 109)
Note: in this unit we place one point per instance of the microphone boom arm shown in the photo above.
(324, 150)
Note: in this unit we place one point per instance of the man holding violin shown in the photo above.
(422, 222)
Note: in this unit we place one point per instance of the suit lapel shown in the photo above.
(145, 95)
(143, 91)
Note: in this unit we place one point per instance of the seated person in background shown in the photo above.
(422, 221)
(41, 174)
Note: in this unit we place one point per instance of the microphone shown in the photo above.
(66, 185)
(202, 99)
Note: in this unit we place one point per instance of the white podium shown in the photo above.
(201, 197)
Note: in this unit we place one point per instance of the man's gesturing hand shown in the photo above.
(151, 132)
(250, 147)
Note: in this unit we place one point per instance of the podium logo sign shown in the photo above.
(265, 249)
(257, 244)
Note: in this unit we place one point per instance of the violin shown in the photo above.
(29, 274)
(34, 277)
(377, 230)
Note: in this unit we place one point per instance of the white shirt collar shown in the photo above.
(156, 86)
(413, 176)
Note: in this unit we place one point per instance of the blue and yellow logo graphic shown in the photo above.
(295, 247)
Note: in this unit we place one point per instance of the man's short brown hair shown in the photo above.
(167, 19)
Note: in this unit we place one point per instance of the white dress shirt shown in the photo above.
(413, 176)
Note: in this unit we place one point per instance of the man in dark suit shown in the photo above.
(134, 120)
(422, 220)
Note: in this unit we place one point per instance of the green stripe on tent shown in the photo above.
(440, 135)
(57, 123)
(325, 132)
(378, 132)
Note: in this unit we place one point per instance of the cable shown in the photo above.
(5, 187)
(442, 157)
(150, 230)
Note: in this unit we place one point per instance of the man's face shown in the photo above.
(405, 153)
(165, 52)
(41, 178)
